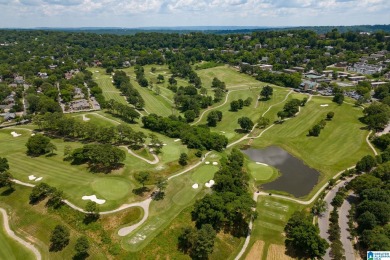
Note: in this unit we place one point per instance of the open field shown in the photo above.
(256, 251)
(340, 145)
(11, 249)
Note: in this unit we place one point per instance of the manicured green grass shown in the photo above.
(229, 125)
(11, 249)
(340, 145)
(178, 195)
(260, 172)
(203, 174)
(229, 75)
(273, 215)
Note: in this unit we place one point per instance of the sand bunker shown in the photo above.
(325, 105)
(86, 118)
(32, 134)
(14, 134)
(210, 183)
(94, 199)
(215, 163)
(195, 186)
(262, 163)
(96, 71)
(207, 162)
(223, 132)
(31, 177)
(164, 144)
(38, 179)
(177, 140)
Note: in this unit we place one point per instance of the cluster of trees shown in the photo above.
(219, 88)
(181, 68)
(39, 144)
(122, 82)
(140, 76)
(196, 137)
(316, 129)
(127, 113)
(372, 212)
(303, 237)
(5, 176)
(189, 101)
(60, 238)
(376, 116)
(69, 127)
(228, 208)
(266, 92)
(42, 191)
(100, 157)
(214, 117)
(291, 108)
(236, 105)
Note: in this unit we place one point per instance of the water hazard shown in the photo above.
(296, 178)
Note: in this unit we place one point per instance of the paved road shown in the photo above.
(323, 221)
(15, 237)
(343, 223)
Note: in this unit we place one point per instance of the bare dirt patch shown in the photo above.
(256, 251)
(277, 252)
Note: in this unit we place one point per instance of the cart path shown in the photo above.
(12, 234)
(155, 161)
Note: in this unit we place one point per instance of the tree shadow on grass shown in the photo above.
(80, 256)
(7, 192)
(140, 191)
(50, 155)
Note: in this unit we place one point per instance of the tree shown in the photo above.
(160, 78)
(40, 192)
(190, 115)
(92, 212)
(183, 159)
(248, 102)
(142, 177)
(338, 98)
(161, 184)
(36, 145)
(245, 123)
(50, 147)
(199, 243)
(366, 163)
(366, 221)
(303, 237)
(266, 92)
(319, 207)
(172, 81)
(56, 198)
(59, 238)
(6, 180)
(4, 166)
(213, 117)
(262, 122)
(315, 131)
(234, 105)
(330, 115)
(304, 101)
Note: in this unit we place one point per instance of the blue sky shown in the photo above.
(144, 13)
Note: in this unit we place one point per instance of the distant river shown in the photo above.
(296, 178)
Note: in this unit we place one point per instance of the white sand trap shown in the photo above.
(96, 71)
(206, 162)
(164, 144)
(38, 179)
(215, 163)
(112, 81)
(110, 77)
(94, 199)
(14, 134)
(177, 140)
(86, 118)
(32, 134)
(31, 177)
(210, 183)
(262, 163)
(324, 105)
(195, 186)
(223, 132)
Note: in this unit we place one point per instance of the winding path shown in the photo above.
(155, 161)
(15, 237)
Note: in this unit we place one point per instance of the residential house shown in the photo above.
(364, 68)
(43, 75)
(308, 86)
(53, 67)
(378, 83)
(19, 80)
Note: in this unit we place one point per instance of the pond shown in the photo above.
(296, 177)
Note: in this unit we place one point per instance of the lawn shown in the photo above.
(229, 125)
(10, 249)
(178, 196)
(273, 215)
(340, 145)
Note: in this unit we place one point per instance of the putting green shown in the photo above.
(260, 172)
(203, 174)
(111, 188)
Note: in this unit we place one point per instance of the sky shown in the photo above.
(170, 13)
